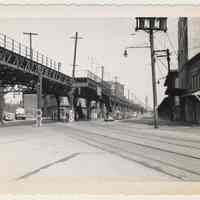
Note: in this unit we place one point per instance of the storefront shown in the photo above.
(191, 106)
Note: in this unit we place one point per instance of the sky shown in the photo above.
(103, 43)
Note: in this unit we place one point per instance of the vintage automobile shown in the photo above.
(7, 116)
(20, 113)
(109, 118)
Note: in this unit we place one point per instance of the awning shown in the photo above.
(195, 94)
(175, 91)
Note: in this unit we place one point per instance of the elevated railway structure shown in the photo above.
(39, 72)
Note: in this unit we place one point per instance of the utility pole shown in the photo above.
(115, 84)
(164, 53)
(151, 24)
(153, 79)
(1, 102)
(128, 95)
(39, 82)
(168, 60)
(73, 75)
(30, 34)
(102, 74)
(146, 103)
(102, 79)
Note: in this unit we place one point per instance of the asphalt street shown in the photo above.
(100, 149)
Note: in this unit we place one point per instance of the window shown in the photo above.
(176, 83)
(195, 82)
(199, 81)
(192, 82)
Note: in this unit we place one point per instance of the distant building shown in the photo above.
(117, 89)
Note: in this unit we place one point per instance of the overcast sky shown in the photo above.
(103, 43)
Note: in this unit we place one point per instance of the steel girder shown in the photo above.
(16, 69)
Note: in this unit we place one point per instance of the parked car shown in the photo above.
(20, 113)
(8, 116)
(109, 118)
(134, 114)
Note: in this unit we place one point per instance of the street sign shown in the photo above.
(38, 117)
(151, 23)
(71, 116)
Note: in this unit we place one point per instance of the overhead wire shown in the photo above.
(171, 43)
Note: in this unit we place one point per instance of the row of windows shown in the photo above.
(182, 83)
(195, 82)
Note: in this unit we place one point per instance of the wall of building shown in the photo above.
(188, 47)
(182, 42)
(117, 89)
(30, 104)
(188, 39)
(193, 36)
(189, 67)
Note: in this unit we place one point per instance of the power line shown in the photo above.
(159, 69)
(162, 63)
(170, 41)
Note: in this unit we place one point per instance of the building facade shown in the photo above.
(170, 107)
(117, 89)
(189, 68)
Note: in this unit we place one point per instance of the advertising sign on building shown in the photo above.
(99, 91)
(177, 100)
(64, 101)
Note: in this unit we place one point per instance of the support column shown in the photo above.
(39, 98)
(101, 109)
(88, 109)
(88, 102)
(58, 107)
(1, 102)
(45, 105)
(75, 106)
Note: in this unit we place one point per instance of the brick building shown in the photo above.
(170, 107)
(189, 68)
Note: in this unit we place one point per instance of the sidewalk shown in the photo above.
(167, 124)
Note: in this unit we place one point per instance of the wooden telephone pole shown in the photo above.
(73, 74)
(151, 24)
(39, 82)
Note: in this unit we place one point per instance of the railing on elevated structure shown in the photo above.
(92, 76)
(23, 50)
(36, 64)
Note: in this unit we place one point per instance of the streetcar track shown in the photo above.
(143, 163)
(138, 144)
(147, 137)
(163, 136)
(157, 168)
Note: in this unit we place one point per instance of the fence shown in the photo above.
(23, 50)
(94, 77)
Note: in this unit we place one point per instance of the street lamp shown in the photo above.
(133, 47)
(125, 53)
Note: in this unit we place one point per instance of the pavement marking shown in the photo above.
(47, 166)
(177, 175)
(114, 152)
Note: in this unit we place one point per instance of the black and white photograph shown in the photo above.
(109, 97)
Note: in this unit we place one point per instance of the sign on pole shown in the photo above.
(99, 91)
(39, 117)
